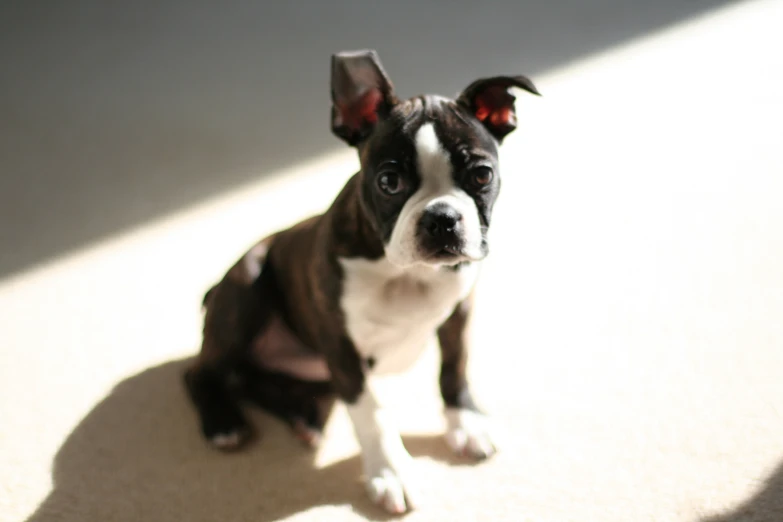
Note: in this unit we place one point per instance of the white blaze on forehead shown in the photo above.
(437, 185)
(433, 161)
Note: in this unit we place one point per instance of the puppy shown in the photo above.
(319, 309)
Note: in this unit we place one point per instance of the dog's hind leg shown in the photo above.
(237, 309)
(222, 422)
(301, 404)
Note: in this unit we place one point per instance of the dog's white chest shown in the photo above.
(392, 314)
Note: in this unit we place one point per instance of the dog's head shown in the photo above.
(429, 165)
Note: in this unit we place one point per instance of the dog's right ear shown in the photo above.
(361, 94)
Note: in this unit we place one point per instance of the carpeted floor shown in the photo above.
(629, 341)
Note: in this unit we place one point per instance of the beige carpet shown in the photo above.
(629, 340)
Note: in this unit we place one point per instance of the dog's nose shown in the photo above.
(441, 221)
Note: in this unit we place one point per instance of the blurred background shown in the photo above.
(629, 340)
(113, 114)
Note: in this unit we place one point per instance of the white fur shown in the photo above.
(226, 440)
(392, 313)
(437, 185)
(469, 433)
(393, 307)
(387, 464)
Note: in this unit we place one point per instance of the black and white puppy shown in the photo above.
(319, 309)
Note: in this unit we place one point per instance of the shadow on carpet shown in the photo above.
(765, 506)
(138, 455)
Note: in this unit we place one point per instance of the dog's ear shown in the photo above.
(490, 102)
(361, 94)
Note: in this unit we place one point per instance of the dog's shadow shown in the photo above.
(138, 456)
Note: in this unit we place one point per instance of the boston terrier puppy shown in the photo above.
(319, 309)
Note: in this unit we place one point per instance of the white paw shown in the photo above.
(227, 441)
(469, 434)
(386, 489)
(389, 479)
(387, 464)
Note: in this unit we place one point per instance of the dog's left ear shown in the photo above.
(490, 102)
(361, 94)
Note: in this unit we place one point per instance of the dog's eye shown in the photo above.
(481, 177)
(391, 183)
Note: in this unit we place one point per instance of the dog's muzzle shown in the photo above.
(441, 231)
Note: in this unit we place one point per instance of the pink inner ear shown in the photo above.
(495, 104)
(361, 111)
(502, 117)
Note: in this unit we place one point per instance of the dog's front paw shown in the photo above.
(469, 434)
(387, 490)
(389, 480)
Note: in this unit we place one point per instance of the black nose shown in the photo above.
(441, 221)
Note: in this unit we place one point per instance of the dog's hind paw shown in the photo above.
(226, 432)
(227, 441)
(308, 435)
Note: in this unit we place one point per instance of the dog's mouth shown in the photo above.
(443, 256)
(449, 251)
(454, 254)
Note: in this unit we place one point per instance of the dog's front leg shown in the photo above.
(468, 430)
(386, 462)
